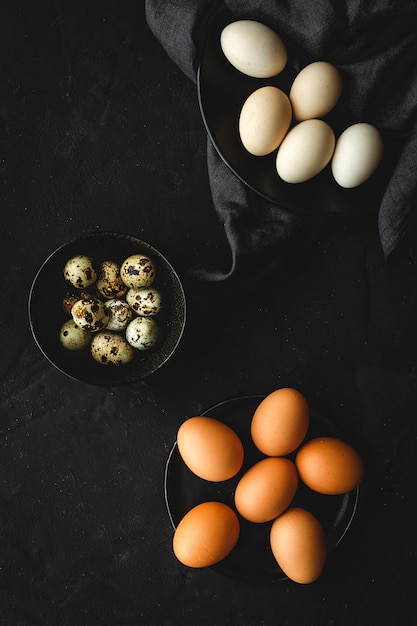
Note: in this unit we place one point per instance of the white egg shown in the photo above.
(144, 301)
(315, 90)
(305, 151)
(357, 155)
(72, 337)
(79, 271)
(264, 120)
(253, 48)
(142, 333)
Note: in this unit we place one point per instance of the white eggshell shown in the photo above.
(315, 90)
(305, 151)
(119, 312)
(142, 333)
(72, 337)
(253, 48)
(138, 270)
(357, 154)
(109, 348)
(144, 301)
(90, 314)
(79, 271)
(264, 120)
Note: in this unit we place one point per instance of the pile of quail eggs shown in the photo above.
(111, 310)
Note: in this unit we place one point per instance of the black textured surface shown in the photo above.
(100, 130)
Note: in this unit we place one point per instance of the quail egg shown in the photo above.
(109, 283)
(79, 271)
(72, 337)
(137, 271)
(90, 314)
(109, 348)
(119, 313)
(144, 301)
(142, 333)
(71, 297)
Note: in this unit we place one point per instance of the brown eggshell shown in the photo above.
(266, 489)
(210, 448)
(298, 544)
(206, 534)
(329, 466)
(280, 422)
(109, 283)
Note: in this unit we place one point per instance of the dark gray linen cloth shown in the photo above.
(375, 46)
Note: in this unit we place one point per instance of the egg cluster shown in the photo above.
(305, 147)
(111, 310)
(265, 491)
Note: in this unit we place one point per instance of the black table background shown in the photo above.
(101, 131)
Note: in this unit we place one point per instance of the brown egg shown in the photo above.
(298, 544)
(210, 448)
(329, 466)
(280, 422)
(206, 534)
(266, 489)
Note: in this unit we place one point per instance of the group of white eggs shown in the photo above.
(267, 117)
(118, 316)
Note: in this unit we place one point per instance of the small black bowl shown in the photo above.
(46, 314)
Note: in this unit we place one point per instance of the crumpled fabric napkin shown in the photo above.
(375, 46)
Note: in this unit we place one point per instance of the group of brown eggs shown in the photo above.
(305, 148)
(213, 451)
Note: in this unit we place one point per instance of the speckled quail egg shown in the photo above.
(137, 271)
(71, 297)
(144, 301)
(119, 313)
(80, 272)
(142, 333)
(109, 348)
(72, 337)
(90, 314)
(109, 283)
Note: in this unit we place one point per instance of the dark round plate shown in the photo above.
(252, 559)
(46, 315)
(222, 90)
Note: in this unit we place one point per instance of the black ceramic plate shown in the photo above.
(252, 559)
(222, 90)
(46, 315)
